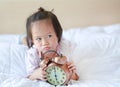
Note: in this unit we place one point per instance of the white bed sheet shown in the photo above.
(96, 55)
(11, 81)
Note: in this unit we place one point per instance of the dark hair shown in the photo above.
(42, 14)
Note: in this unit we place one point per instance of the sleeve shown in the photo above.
(32, 61)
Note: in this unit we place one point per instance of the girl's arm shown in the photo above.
(34, 72)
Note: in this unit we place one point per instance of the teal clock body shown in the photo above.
(56, 75)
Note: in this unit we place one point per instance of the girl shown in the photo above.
(44, 33)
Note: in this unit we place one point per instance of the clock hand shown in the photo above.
(55, 73)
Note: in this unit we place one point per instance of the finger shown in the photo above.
(44, 67)
(72, 68)
(43, 79)
(71, 65)
(68, 63)
(43, 76)
(44, 73)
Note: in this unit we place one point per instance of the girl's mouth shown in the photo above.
(46, 48)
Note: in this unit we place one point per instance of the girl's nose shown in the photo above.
(44, 42)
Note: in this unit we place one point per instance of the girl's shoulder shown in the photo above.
(32, 51)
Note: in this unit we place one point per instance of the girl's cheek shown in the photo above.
(40, 49)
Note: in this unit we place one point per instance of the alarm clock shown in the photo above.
(57, 69)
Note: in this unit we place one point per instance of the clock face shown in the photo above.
(56, 75)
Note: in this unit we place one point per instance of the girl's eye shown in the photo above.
(49, 36)
(38, 39)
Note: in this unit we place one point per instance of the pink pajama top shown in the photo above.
(33, 59)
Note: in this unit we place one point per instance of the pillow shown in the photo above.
(9, 38)
(12, 59)
(13, 38)
(22, 39)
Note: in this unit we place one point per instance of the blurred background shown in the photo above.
(71, 13)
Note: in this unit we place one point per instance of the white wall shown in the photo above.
(71, 13)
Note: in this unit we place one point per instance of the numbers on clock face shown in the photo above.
(56, 75)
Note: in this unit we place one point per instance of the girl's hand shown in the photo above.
(72, 68)
(39, 74)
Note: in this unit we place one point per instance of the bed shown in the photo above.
(97, 58)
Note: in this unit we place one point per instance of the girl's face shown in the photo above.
(43, 36)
